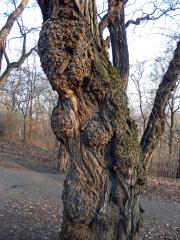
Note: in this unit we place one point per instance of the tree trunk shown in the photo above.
(24, 129)
(170, 145)
(119, 45)
(30, 119)
(91, 119)
(178, 166)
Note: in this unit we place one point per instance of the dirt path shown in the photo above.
(30, 202)
(30, 185)
(165, 212)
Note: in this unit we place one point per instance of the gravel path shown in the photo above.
(30, 185)
(165, 212)
(30, 202)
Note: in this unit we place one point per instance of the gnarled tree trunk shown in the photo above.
(92, 121)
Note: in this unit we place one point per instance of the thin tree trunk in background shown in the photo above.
(30, 120)
(171, 126)
(178, 166)
(171, 136)
(170, 145)
(36, 125)
(24, 130)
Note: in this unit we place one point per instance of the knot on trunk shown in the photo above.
(96, 134)
(64, 121)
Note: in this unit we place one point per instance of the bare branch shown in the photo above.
(136, 78)
(150, 16)
(114, 9)
(103, 24)
(13, 65)
(6, 57)
(8, 26)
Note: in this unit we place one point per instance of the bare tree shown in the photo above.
(155, 9)
(137, 77)
(174, 106)
(91, 119)
(22, 89)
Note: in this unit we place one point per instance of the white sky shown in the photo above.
(145, 40)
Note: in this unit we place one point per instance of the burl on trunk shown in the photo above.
(91, 119)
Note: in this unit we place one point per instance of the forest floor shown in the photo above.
(31, 208)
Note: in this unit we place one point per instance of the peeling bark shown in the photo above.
(91, 119)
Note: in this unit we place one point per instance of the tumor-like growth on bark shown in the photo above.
(91, 119)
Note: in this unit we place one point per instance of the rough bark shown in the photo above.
(91, 119)
(63, 162)
(119, 45)
(114, 20)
